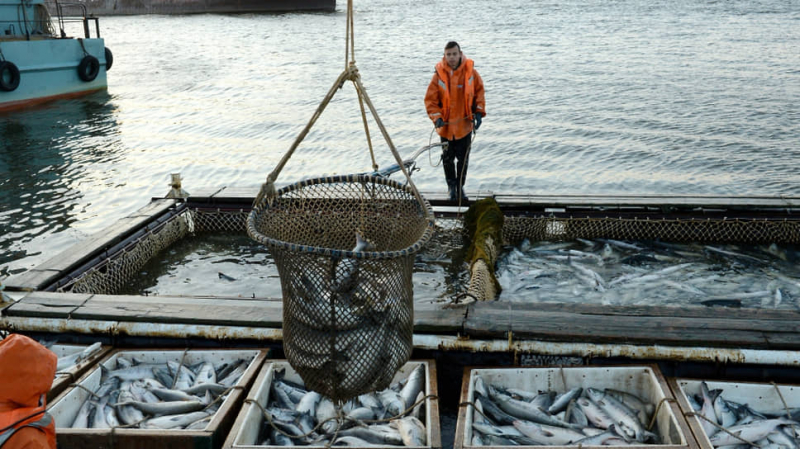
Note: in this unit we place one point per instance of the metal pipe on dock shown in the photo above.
(421, 341)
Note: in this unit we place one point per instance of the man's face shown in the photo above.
(453, 57)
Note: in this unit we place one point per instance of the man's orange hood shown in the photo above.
(26, 372)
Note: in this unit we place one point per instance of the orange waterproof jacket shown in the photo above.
(454, 96)
(26, 374)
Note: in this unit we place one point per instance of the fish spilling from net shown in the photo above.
(158, 396)
(608, 271)
(579, 416)
(743, 425)
(301, 417)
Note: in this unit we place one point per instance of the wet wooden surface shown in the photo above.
(66, 261)
(642, 325)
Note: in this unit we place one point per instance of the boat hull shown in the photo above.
(136, 7)
(48, 70)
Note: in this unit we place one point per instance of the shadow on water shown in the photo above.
(44, 155)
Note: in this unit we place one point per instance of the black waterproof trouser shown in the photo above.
(457, 151)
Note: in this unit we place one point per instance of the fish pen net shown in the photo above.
(111, 273)
(347, 307)
(668, 229)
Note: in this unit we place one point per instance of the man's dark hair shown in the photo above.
(452, 44)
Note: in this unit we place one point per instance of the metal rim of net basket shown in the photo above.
(425, 210)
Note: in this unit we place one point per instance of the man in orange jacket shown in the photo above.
(26, 375)
(455, 103)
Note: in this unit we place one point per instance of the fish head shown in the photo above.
(595, 394)
(362, 244)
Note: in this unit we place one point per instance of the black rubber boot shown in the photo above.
(452, 189)
(463, 195)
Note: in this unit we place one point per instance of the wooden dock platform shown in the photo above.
(640, 331)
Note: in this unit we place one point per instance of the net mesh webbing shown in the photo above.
(347, 313)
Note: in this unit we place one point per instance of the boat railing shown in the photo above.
(74, 12)
(30, 21)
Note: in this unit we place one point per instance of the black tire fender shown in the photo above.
(109, 59)
(9, 76)
(88, 68)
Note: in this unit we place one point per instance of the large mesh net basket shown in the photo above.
(347, 308)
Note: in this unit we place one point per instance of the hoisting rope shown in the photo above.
(350, 73)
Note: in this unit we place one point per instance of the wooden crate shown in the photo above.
(67, 377)
(66, 406)
(645, 381)
(245, 430)
(759, 396)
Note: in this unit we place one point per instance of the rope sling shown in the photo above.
(344, 247)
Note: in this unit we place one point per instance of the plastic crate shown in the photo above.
(65, 407)
(647, 382)
(245, 431)
(759, 396)
(65, 378)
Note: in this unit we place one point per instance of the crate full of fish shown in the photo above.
(740, 413)
(405, 414)
(73, 362)
(574, 406)
(156, 399)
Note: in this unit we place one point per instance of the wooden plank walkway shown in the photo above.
(574, 323)
(780, 203)
(56, 267)
(583, 323)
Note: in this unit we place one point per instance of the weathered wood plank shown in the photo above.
(56, 267)
(239, 193)
(741, 328)
(431, 318)
(32, 279)
(649, 200)
(46, 305)
(662, 310)
(639, 200)
(180, 310)
(494, 322)
(203, 193)
(38, 310)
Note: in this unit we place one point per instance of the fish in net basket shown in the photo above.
(344, 247)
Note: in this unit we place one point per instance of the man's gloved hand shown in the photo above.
(478, 118)
(439, 122)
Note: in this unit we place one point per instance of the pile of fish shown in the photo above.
(580, 416)
(608, 271)
(158, 396)
(302, 418)
(349, 333)
(774, 429)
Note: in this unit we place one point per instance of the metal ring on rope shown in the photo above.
(275, 243)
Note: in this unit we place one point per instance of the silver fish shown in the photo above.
(165, 408)
(75, 358)
(525, 410)
(627, 421)
(412, 431)
(548, 435)
(748, 432)
(347, 270)
(373, 435)
(174, 421)
(561, 401)
(413, 386)
(308, 403)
